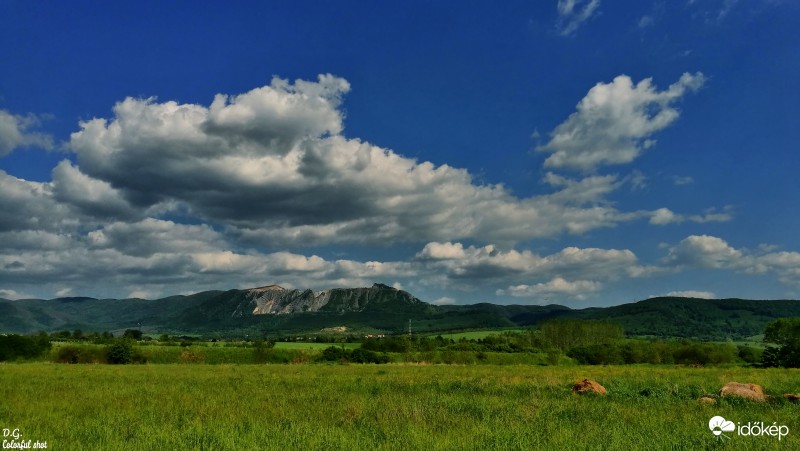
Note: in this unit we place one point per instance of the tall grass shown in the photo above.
(174, 406)
(310, 346)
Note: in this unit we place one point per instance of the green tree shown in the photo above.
(134, 334)
(785, 334)
(335, 353)
(13, 347)
(120, 352)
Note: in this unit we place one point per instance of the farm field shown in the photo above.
(393, 406)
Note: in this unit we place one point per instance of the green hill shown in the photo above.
(705, 319)
(379, 308)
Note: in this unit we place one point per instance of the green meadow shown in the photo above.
(395, 406)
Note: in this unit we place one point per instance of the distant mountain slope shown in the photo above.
(708, 319)
(273, 308)
(85, 313)
(276, 310)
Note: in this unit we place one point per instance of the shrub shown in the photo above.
(785, 333)
(399, 343)
(597, 354)
(704, 353)
(80, 354)
(68, 354)
(359, 355)
(334, 354)
(365, 356)
(133, 334)
(750, 354)
(120, 352)
(450, 356)
(13, 347)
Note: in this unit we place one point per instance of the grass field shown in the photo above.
(383, 407)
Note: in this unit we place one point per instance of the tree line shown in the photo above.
(585, 341)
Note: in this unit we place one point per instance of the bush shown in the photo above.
(68, 354)
(13, 347)
(450, 356)
(684, 352)
(80, 354)
(398, 343)
(771, 357)
(133, 334)
(120, 352)
(337, 354)
(365, 356)
(750, 354)
(785, 333)
(705, 353)
(597, 354)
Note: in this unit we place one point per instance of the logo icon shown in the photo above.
(719, 426)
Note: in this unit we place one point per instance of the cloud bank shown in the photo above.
(165, 197)
(273, 167)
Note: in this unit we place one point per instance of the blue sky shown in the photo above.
(582, 152)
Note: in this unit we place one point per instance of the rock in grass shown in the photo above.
(707, 400)
(793, 397)
(752, 392)
(588, 386)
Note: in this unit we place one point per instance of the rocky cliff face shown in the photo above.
(274, 299)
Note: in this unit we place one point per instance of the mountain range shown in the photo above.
(273, 310)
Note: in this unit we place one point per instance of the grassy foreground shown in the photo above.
(383, 407)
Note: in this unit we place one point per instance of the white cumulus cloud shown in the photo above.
(711, 252)
(251, 178)
(615, 122)
(578, 289)
(273, 167)
(704, 251)
(664, 216)
(691, 294)
(444, 301)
